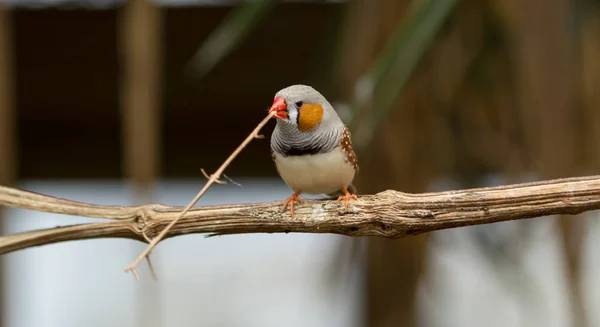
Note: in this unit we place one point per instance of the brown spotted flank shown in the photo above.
(346, 145)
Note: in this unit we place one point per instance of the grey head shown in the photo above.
(300, 129)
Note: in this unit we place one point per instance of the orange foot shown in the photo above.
(346, 197)
(295, 197)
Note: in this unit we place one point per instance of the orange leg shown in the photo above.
(295, 197)
(347, 196)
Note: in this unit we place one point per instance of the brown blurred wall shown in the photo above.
(68, 94)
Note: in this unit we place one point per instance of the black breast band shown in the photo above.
(292, 151)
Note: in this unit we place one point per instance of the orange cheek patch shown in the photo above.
(309, 116)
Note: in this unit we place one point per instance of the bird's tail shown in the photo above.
(352, 189)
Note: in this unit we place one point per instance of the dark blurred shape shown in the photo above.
(546, 50)
(142, 94)
(394, 267)
(140, 28)
(8, 146)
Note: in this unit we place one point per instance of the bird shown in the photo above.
(311, 146)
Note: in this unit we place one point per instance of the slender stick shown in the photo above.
(214, 178)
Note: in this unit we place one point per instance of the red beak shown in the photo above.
(279, 107)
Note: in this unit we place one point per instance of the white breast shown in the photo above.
(316, 174)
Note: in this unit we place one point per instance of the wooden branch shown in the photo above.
(390, 213)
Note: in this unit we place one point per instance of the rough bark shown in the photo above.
(390, 214)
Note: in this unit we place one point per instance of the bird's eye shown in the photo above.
(299, 104)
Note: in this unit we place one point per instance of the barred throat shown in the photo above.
(288, 141)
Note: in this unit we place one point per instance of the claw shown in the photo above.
(295, 197)
(346, 197)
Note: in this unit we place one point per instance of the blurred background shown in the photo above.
(122, 102)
